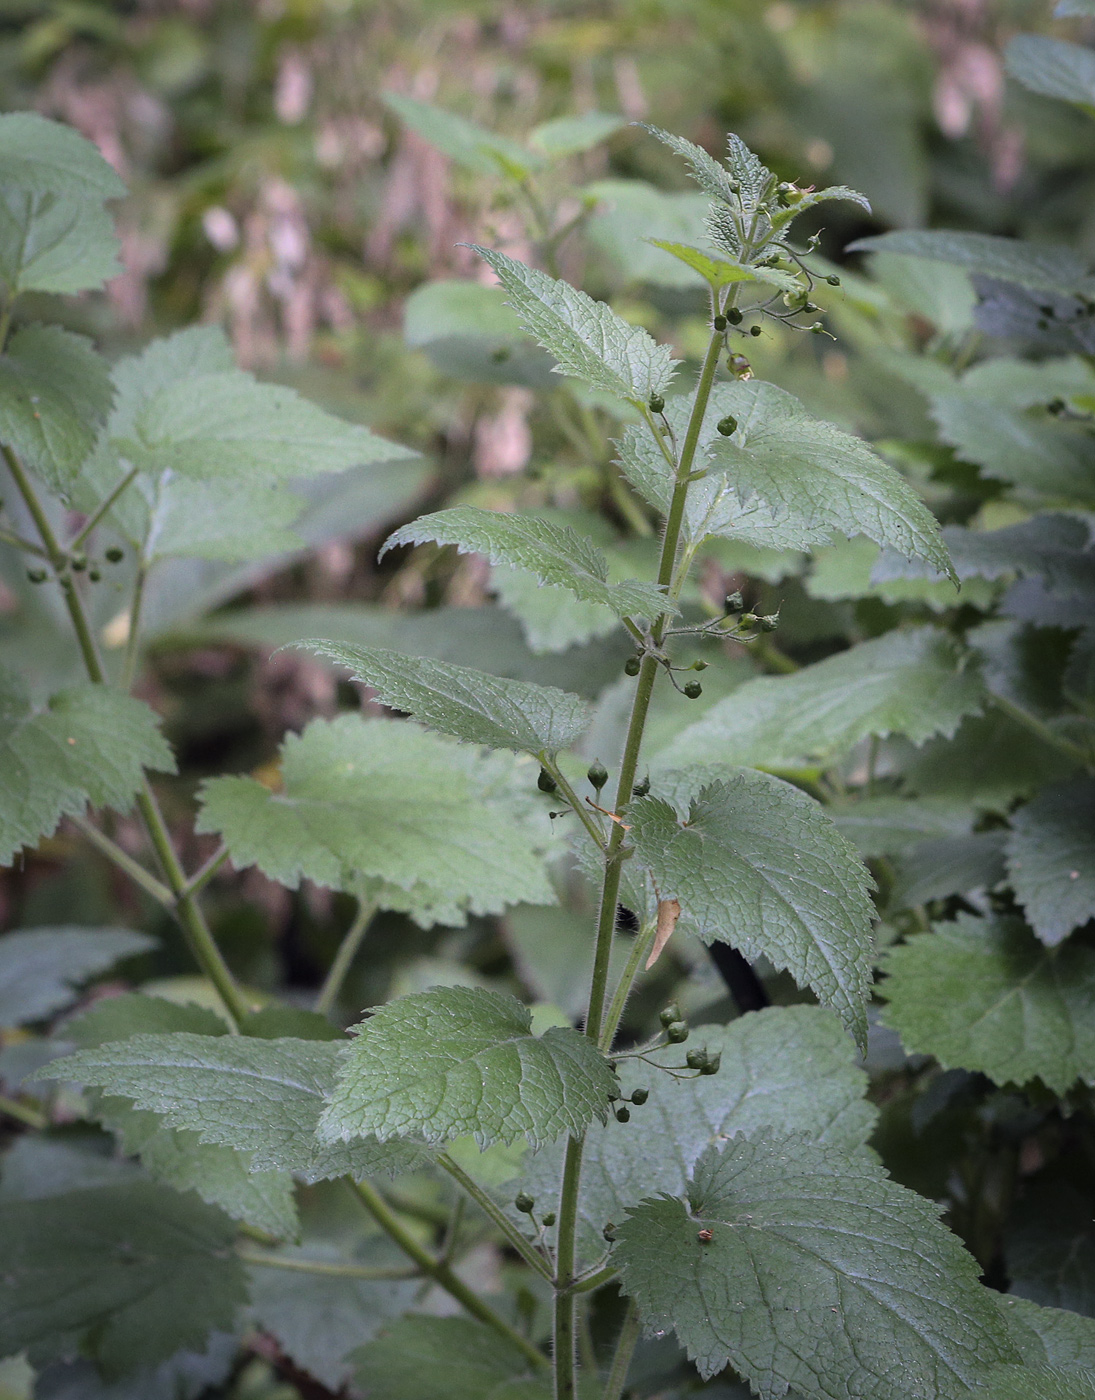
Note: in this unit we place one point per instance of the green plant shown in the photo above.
(722, 1192)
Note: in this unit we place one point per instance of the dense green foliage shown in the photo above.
(627, 930)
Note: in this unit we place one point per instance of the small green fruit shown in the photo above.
(524, 1202)
(37, 575)
(94, 575)
(632, 665)
(79, 562)
(749, 619)
(623, 1115)
(676, 1032)
(833, 280)
(727, 426)
(114, 554)
(699, 665)
(755, 330)
(712, 1065)
(640, 1096)
(642, 787)
(657, 403)
(545, 782)
(769, 623)
(734, 316)
(693, 690)
(669, 1014)
(720, 323)
(734, 602)
(609, 1232)
(548, 1219)
(696, 1059)
(598, 774)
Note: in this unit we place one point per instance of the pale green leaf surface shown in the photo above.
(628, 214)
(473, 146)
(258, 1096)
(89, 746)
(713, 177)
(759, 865)
(1051, 859)
(433, 828)
(54, 392)
(445, 1358)
(570, 136)
(1053, 68)
(472, 705)
(984, 994)
(136, 1013)
(43, 156)
(788, 1068)
(131, 1273)
(54, 243)
(41, 969)
(1041, 266)
(916, 683)
(1042, 457)
(990, 761)
(849, 569)
(1037, 1383)
(1049, 1336)
(821, 1274)
(884, 826)
(947, 865)
(556, 553)
(552, 618)
(459, 1060)
(468, 330)
(722, 272)
(588, 338)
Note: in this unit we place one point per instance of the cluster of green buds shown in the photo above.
(76, 562)
(526, 1204)
(622, 1113)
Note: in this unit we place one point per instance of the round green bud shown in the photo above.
(749, 619)
(669, 1014)
(676, 1032)
(657, 403)
(548, 1219)
(598, 774)
(114, 554)
(609, 1232)
(79, 562)
(693, 690)
(545, 782)
(632, 665)
(734, 602)
(755, 330)
(696, 1059)
(727, 426)
(640, 1096)
(733, 315)
(699, 665)
(642, 787)
(623, 1115)
(769, 623)
(37, 575)
(712, 1065)
(720, 323)
(1056, 406)
(833, 280)
(524, 1202)
(94, 575)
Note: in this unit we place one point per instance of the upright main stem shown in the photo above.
(565, 1303)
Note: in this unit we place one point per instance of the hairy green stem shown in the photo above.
(133, 644)
(442, 1273)
(347, 951)
(625, 1350)
(102, 509)
(639, 950)
(564, 1331)
(31, 1117)
(125, 862)
(18, 542)
(205, 873)
(320, 1266)
(489, 1208)
(581, 811)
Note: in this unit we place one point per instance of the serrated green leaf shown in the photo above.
(130, 1273)
(431, 827)
(41, 969)
(789, 1068)
(48, 157)
(984, 994)
(1037, 1383)
(1042, 266)
(552, 619)
(820, 1274)
(459, 1060)
(809, 198)
(557, 554)
(468, 331)
(1053, 68)
(53, 243)
(258, 1096)
(1049, 1336)
(473, 146)
(759, 865)
(714, 179)
(1042, 457)
(90, 746)
(445, 1358)
(858, 569)
(721, 272)
(473, 706)
(587, 337)
(948, 865)
(1051, 859)
(917, 683)
(135, 1013)
(570, 136)
(55, 391)
(884, 826)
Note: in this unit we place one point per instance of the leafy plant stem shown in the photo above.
(132, 646)
(1044, 732)
(441, 1273)
(596, 1280)
(347, 951)
(513, 1236)
(102, 509)
(566, 1312)
(328, 1269)
(136, 872)
(18, 542)
(31, 1117)
(625, 1350)
(205, 873)
(639, 949)
(581, 810)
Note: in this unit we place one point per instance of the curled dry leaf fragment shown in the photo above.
(669, 911)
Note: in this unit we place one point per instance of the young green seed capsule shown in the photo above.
(833, 280)
(1056, 406)
(755, 330)
(720, 323)
(79, 562)
(549, 1219)
(657, 403)
(639, 1097)
(727, 426)
(769, 623)
(94, 575)
(696, 1059)
(699, 665)
(114, 554)
(712, 1065)
(598, 774)
(734, 316)
(609, 1232)
(524, 1202)
(676, 1032)
(642, 787)
(749, 619)
(668, 1014)
(623, 1115)
(37, 575)
(545, 782)
(632, 665)
(734, 602)
(693, 690)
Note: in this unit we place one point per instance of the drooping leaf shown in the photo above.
(758, 864)
(459, 1060)
(48, 157)
(885, 826)
(258, 1096)
(486, 152)
(984, 994)
(445, 1358)
(1043, 266)
(430, 827)
(1053, 68)
(89, 746)
(721, 272)
(1051, 859)
(468, 331)
(820, 1274)
(587, 337)
(788, 1068)
(1037, 1383)
(54, 393)
(128, 1273)
(473, 706)
(54, 243)
(41, 969)
(556, 554)
(552, 619)
(1049, 1336)
(917, 683)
